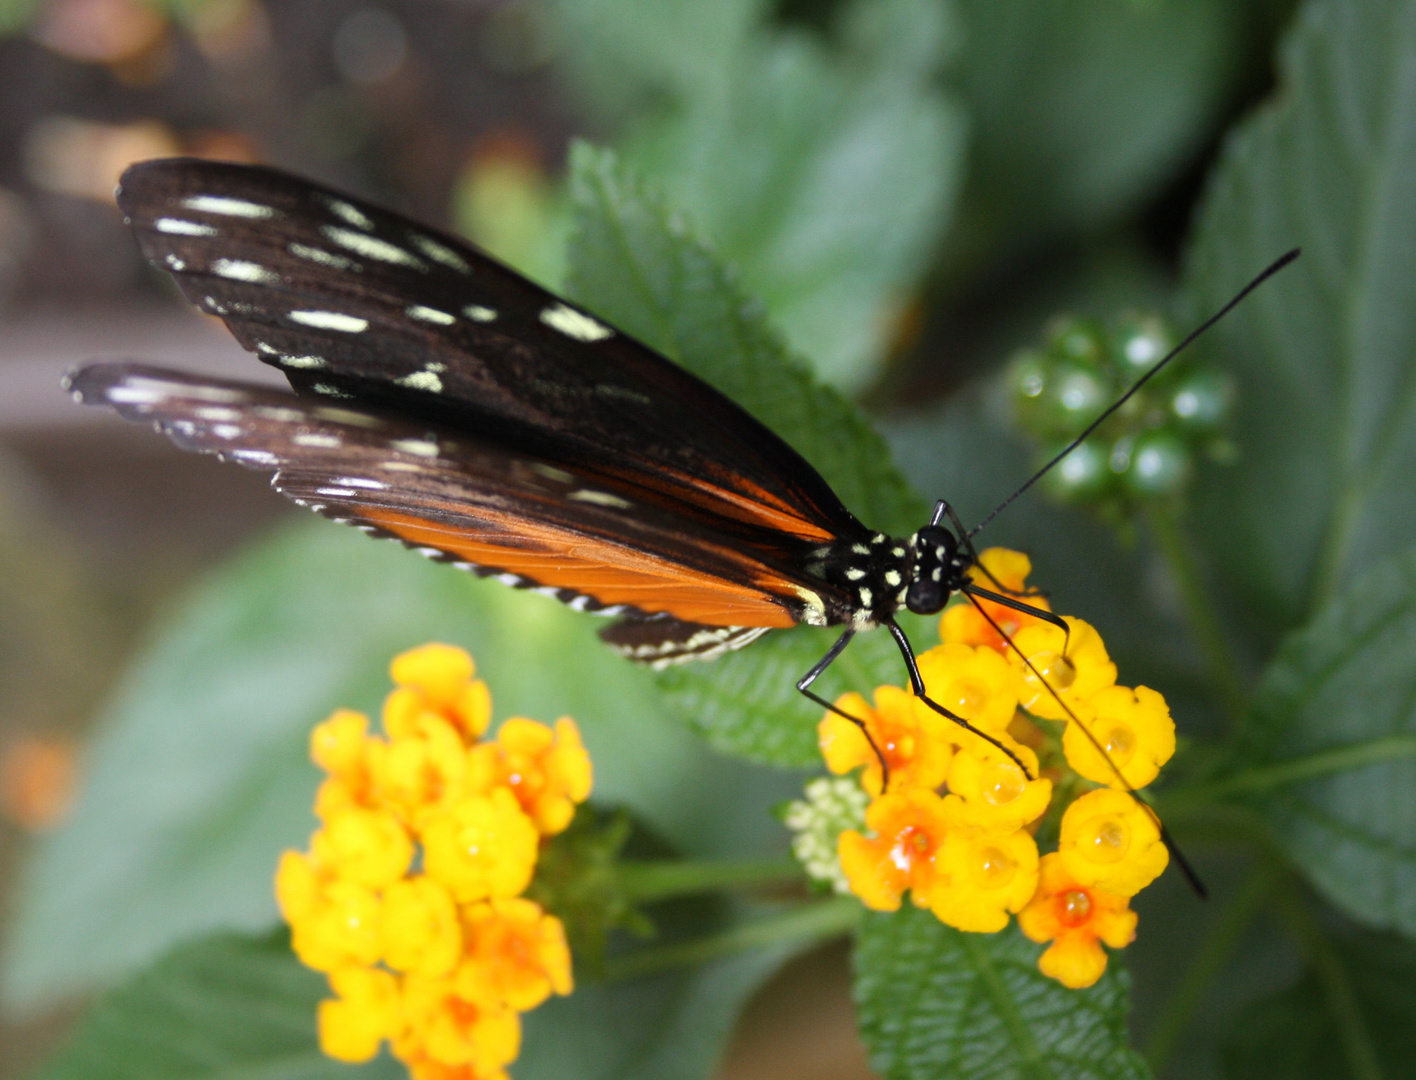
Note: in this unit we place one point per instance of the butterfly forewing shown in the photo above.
(350, 300)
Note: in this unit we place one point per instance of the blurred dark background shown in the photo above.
(459, 112)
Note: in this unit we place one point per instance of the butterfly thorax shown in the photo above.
(882, 574)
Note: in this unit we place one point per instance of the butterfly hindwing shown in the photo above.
(353, 301)
(594, 543)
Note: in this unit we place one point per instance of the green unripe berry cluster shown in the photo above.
(1148, 449)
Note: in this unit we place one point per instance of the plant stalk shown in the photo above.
(1200, 612)
(645, 882)
(818, 920)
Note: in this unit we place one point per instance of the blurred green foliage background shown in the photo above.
(892, 196)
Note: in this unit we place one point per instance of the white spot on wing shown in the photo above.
(226, 431)
(419, 447)
(221, 204)
(177, 227)
(334, 492)
(352, 214)
(330, 320)
(243, 270)
(330, 391)
(276, 412)
(574, 324)
(174, 263)
(362, 482)
(440, 252)
(427, 314)
(216, 412)
(371, 247)
(303, 361)
(422, 380)
(600, 498)
(478, 313)
(815, 613)
(260, 457)
(318, 440)
(321, 256)
(551, 472)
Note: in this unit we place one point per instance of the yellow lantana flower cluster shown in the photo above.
(955, 825)
(410, 895)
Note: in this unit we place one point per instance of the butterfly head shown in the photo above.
(938, 570)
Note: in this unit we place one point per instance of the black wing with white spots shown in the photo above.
(352, 301)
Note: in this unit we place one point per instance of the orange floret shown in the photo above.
(443, 1027)
(517, 954)
(915, 742)
(963, 624)
(548, 771)
(1075, 918)
(909, 827)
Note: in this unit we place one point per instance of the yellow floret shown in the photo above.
(437, 678)
(366, 1011)
(983, 876)
(366, 846)
(484, 846)
(991, 792)
(965, 624)
(974, 683)
(1133, 727)
(421, 933)
(1075, 677)
(1111, 842)
(337, 745)
(340, 929)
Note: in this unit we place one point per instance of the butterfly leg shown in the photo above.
(804, 685)
(917, 684)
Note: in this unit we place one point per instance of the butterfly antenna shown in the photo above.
(1169, 841)
(1277, 265)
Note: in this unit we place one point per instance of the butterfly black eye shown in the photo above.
(925, 597)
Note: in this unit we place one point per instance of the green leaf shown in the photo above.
(199, 778)
(935, 1002)
(825, 171)
(1345, 686)
(1080, 109)
(222, 1008)
(1297, 1034)
(1327, 388)
(639, 267)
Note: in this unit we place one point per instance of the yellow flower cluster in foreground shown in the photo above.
(410, 895)
(955, 825)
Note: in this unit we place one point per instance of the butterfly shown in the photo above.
(441, 399)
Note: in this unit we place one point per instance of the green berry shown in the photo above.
(1159, 464)
(1202, 400)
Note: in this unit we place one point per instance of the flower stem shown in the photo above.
(645, 882)
(817, 920)
(1207, 964)
(1294, 770)
(1200, 612)
(1336, 985)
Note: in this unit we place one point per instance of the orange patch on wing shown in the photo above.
(610, 573)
